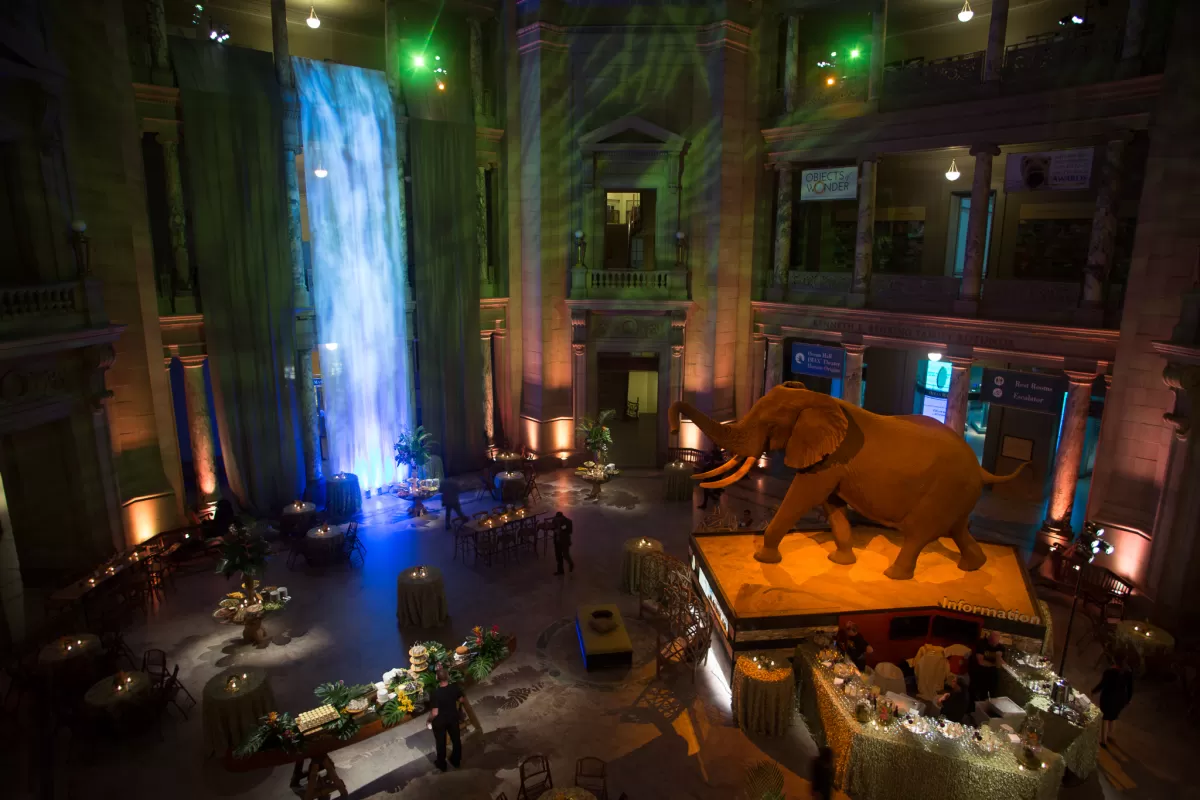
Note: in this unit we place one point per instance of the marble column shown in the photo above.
(579, 385)
(977, 224)
(791, 64)
(960, 388)
(481, 230)
(878, 39)
(489, 397)
(176, 215)
(160, 55)
(676, 374)
(774, 375)
(852, 374)
(476, 65)
(758, 372)
(993, 60)
(507, 435)
(204, 458)
(783, 225)
(864, 239)
(1135, 28)
(1104, 227)
(1175, 553)
(1065, 476)
(305, 320)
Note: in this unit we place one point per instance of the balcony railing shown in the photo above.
(849, 89)
(50, 307)
(1062, 58)
(628, 284)
(956, 75)
(818, 288)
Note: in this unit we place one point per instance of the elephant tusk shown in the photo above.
(714, 472)
(734, 478)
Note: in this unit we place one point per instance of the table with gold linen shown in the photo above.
(764, 695)
(889, 763)
(103, 696)
(230, 715)
(69, 648)
(1079, 745)
(421, 598)
(678, 481)
(323, 544)
(1145, 637)
(631, 563)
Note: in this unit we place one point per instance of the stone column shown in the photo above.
(852, 374)
(791, 64)
(758, 373)
(176, 215)
(1135, 28)
(306, 326)
(676, 373)
(160, 55)
(960, 388)
(1175, 553)
(878, 39)
(774, 375)
(489, 397)
(481, 230)
(579, 384)
(864, 239)
(502, 389)
(993, 60)
(1070, 449)
(476, 63)
(204, 458)
(977, 223)
(783, 226)
(1104, 228)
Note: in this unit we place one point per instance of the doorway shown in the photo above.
(629, 229)
(628, 384)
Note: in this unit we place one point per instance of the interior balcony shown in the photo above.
(589, 283)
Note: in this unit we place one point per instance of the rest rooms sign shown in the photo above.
(1024, 390)
(817, 359)
(829, 183)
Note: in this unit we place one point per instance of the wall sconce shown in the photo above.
(81, 244)
(953, 174)
(580, 248)
(680, 248)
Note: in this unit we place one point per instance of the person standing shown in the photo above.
(854, 645)
(821, 775)
(1116, 690)
(955, 701)
(451, 501)
(984, 667)
(711, 462)
(446, 699)
(562, 542)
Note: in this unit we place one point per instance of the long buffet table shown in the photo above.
(890, 763)
(1076, 739)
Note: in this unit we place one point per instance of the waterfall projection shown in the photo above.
(359, 281)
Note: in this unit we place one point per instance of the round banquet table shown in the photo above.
(230, 716)
(69, 649)
(631, 562)
(296, 518)
(511, 485)
(343, 498)
(763, 697)
(324, 544)
(421, 598)
(510, 461)
(572, 793)
(679, 482)
(1150, 641)
(416, 499)
(102, 696)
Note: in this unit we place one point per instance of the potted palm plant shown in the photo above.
(245, 553)
(412, 449)
(596, 435)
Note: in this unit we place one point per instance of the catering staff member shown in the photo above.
(852, 643)
(984, 668)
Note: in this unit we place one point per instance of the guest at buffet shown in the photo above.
(956, 701)
(854, 645)
(1116, 690)
(984, 668)
(562, 542)
(451, 501)
(446, 699)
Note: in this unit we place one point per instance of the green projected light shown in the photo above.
(419, 61)
(855, 53)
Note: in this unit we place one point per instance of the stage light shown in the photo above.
(313, 21)
(966, 13)
(953, 174)
(935, 357)
(441, 86)
(1078, 20)
(833, 54)
(830, 81)
(419, 62)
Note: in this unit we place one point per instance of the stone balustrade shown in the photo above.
(50, 307)
(926, 293)
(628, 284)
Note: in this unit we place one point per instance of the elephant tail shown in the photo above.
(989, 478)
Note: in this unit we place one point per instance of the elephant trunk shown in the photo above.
(735, 437)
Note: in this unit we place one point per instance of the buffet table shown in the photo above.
(233, 701)
(891, 763)
(421, 598)
(764, 695)
(1077, 740)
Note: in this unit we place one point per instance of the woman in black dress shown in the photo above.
(1116, 690)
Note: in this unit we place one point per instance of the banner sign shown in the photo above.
(1025, 390)
(818, 360)
(1062, 170)
(829, 183)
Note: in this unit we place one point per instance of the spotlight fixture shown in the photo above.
(1071, 19)
(833, 54)
(855, 53)
(197, 13)
(313, 20)
(966, 13)
(953, 174)
(219, 34)
(441, 86)
(935, 356)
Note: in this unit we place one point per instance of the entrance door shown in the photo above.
(628, 384)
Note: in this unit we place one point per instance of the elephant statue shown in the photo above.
(911, 473)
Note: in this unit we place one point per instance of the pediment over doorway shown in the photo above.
(632, 133)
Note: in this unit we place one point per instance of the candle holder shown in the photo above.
(231, 685)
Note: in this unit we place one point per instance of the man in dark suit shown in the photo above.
(562, 542)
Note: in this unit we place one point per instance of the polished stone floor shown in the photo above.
(661, 739)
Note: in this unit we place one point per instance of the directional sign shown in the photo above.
(819, 360)
(1026, 390)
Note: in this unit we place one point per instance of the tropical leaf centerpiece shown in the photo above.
(412, 448)
(597, 437)
(244, 553)
(275, 730)
(487, 648)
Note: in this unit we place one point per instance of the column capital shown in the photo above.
(985, 149)
(579, 349)
(192, 362)
(676, 351)
(960, 362)
(773, 338)
(485, 335)
(854, 349)
(1080, 377)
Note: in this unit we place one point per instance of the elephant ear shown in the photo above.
(819, 430)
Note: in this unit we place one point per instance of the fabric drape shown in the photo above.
(234, 161)
(447, 289)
